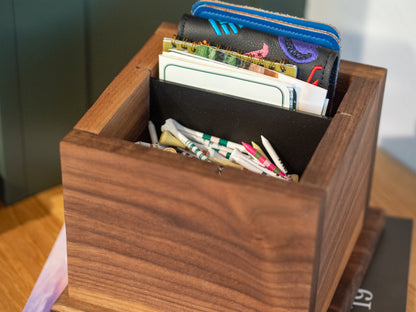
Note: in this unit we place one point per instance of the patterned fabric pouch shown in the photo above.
(272, 22)
(315, 64)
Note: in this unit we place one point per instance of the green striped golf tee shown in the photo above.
(222, 153)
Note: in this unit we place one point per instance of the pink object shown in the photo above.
(262, 159)
(52, 280)
(262, 53)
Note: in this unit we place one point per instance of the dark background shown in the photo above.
(56, 57)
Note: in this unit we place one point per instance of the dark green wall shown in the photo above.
(117, 29)
(11, 142)
(56, 58)
(43, 89)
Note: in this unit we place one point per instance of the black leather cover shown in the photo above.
(318, 65)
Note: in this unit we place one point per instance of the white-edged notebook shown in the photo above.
(214, 76)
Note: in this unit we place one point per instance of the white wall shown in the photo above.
(381, 33)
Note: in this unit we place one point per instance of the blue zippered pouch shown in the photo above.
(271, 22)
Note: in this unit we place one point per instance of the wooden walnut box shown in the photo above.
(149, 230)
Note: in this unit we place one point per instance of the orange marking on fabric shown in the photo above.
(315, 68)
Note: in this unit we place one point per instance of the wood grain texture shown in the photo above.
(139, 237)
(392, 189)
(183, 240)
(65, 303)
(97, 169)
(116, 113)
(359, 261)
(353, 69)
(342, 165)
(28, 230)
(347, 288)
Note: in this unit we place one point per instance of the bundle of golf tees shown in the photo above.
(210, 148)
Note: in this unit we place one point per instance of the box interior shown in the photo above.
(294, 135)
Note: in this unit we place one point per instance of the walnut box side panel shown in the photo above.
(246, 242)
(342, 166)
(161, 232)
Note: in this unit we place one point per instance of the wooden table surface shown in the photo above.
(29, 228)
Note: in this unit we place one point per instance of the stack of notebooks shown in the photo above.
(268, 58)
